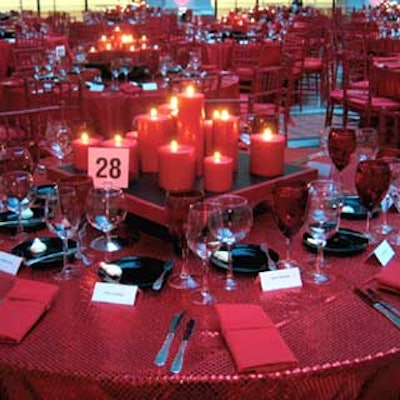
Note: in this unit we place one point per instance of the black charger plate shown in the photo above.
(354, 210)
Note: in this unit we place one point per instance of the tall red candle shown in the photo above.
(80, 150)
(226, 135)
(153, 131)
(177, 164)
(190, 123)
(119, 142)
(208, 136)
(218, 172)
(267, 153)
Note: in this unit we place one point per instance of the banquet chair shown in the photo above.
(31, 39)
(25, 59)
(389, 128)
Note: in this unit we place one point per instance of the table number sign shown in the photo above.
(9, 263)
(383, 253)
(280, 279)
(109, 165)
(115, 293)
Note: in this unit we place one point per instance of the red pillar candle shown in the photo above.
(208, 136)
(190, 123)
(226, 135)
(218, 171)
(267, 153)
(177, 167)
(80, 150)
(153, 131)
(170, 108)
(120, 142)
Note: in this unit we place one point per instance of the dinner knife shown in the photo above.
(176, 366)
(374, 295)
(47, 257)
(162, 355)
(378, 307)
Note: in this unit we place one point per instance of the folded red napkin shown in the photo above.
(22, 307)
(252, 338)
(128, 88)
(389, 277)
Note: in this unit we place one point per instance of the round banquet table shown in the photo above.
(85, 349)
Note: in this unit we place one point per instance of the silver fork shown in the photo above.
(270, 262)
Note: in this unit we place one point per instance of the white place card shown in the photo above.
(384, 253)
(106, 164)
(115, 293)
(9, 263)
(280, 279)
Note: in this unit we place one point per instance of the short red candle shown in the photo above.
(177, 167)
(208, 136)
(153, 131)
(267, 153)
(218, 171)
(119, 142)
(80, 150)
(226, 135)
(190, 122)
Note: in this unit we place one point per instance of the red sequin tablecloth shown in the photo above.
(87, 350)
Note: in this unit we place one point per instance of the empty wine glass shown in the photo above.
(125, 68)
(367, 143)
(372, 183)
(324, 198)
(230, 225)
(163, 66)
(177, 208)
(289, 204)
(115, 71)
(203, 243)
(105, 211)
(19, 195)
(62, 218)
(58, 138)
(342, 143)
(19, 157)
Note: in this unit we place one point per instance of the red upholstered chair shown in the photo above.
(389, 129)
(26, 58)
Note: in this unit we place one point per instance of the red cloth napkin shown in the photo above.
(389, 277)
(252, 338)
(22, 307)
(128, 88)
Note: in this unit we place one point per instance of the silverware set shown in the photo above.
(374, 299)
(162, 355)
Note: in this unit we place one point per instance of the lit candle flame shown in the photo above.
(118, 140)
(153, 113)
(190, 90)
(174, 146)
(92, 49)
(217, 157)
(216, 114)
(267, 134)
(85, 138)
(173, 103)
(103, 38)
(108, 46)
(131, 47)
(225, 115)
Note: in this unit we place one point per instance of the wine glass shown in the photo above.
(372, 182)
(324, 198)
(125, 68)
(58, 138)
(289, 204)
(115, 71)
(20, 157)
(19, 195)
(82, 185)
(203, 243)
(367, 143)
(177, 208)
(231, 224)
(163, 66)
(342, 143)
(105, 211)
(62, 218)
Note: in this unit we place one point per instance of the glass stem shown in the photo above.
(185, 254)
(20, 227)
(319, 262)
(288, 248)
(229, 271)
(65, 256)
(205, 287)
(367, 224)
(107, 245)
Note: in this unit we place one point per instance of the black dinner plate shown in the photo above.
(247, 258)
(345, 242)
(54, 245)
(8, 220)
(136, 270)
(42, 192)
(354, 210)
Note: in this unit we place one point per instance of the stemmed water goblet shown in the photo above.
(342, 144)
(177, 208)
(203, 243)
(115, 71)
(105, 211)
(289, 205)
(163, 66)
(19, 194)
(367, 143)
(62, 218)
(58, 139)
(324, 202)
(125, 68)
(230, 225)
(372, 182)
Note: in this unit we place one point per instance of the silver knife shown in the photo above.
(158, 283)
(176, 366)
(378, 299)
(162, 355)
(378, 307)
(47, 257)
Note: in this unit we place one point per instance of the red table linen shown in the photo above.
(22, 307)
(389, 278)
(252, 339)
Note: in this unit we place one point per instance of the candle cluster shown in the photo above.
(176, 143)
